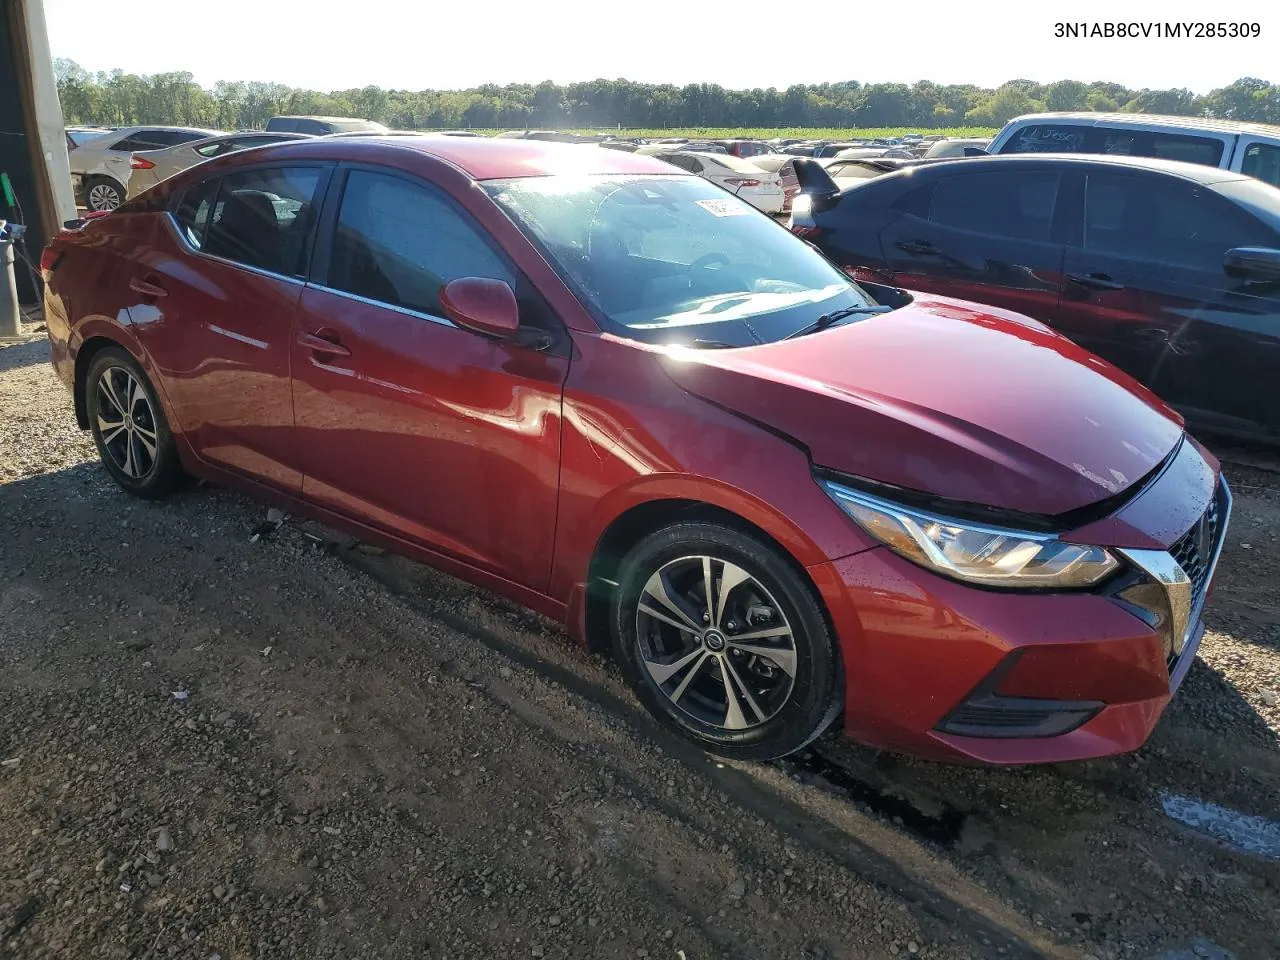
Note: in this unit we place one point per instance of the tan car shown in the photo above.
(148, 169)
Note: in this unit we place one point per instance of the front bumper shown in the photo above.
(953, 672)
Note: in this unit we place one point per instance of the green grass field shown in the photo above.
(768, 133)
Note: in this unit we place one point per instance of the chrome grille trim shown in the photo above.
(1186, 569)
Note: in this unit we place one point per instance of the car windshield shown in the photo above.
(676, 259)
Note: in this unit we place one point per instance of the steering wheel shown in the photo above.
(707, 259)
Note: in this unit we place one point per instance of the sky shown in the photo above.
(441, 44)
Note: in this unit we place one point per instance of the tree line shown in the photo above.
(120, 99)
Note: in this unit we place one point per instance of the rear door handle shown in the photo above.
(322, 345)
(916, 246)
(147, 288)
(1098, 281)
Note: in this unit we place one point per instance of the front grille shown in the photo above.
(1196, 548)
(1195, 552)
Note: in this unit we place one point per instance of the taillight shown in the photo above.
(49, 261)
(742, 182)
(140, 163)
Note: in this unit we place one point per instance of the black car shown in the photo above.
(1169, 270)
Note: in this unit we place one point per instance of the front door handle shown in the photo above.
(147, 288)
(916, 246)
(317, 343)
(1098, 281)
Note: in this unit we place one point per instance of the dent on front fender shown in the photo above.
(631, 436)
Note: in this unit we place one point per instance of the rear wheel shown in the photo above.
(102, 194)
(129, 428)
(724, 641)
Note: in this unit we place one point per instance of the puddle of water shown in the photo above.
(1250, 834)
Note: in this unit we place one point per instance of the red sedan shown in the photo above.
(608, 389)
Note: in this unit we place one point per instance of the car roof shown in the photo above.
(485, 158)
(1088, 118)
(1196, 172)
(312, 116)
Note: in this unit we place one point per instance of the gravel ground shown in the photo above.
(301, 747)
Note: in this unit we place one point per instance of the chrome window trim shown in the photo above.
(177, 232)
(176, 229)
(417, 314)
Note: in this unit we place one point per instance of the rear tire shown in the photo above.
(754, 673)
(103, 194)
(129, 428)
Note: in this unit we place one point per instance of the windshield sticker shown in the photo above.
(723, 208)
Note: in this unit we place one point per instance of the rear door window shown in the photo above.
(219, 147)
(261, 218)
(1262, 160)
(1072, 138)
(1203, 150)
(1046, 138)
(1017, 205)
(139, 142)
(144, 140)
(175, 137)
(1171, 222)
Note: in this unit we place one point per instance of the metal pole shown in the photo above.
(10, 316)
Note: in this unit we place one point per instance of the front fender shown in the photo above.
(713, 493)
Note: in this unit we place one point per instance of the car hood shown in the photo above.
(957, 400)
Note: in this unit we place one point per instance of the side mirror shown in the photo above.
(974, 152)
(482, 306)
(1252, 263)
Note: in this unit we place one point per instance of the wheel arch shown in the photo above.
(639, 520)
(89, 349)
(96, 334)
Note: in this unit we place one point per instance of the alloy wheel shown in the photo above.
(103, 196)
(126, 423)
(715, 642)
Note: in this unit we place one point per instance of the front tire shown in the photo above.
(129, 428)
(103, 194)
(725, 642)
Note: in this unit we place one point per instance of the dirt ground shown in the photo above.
(212, 747)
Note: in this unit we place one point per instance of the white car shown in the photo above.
(759, 187)
(151, 167)
(100, 165)
(1249, 148)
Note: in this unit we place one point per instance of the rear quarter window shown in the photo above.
(1046, 138)
(1262, 161)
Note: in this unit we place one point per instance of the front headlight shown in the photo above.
(973, 552)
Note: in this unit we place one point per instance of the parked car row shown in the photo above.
(100, 165)
(782, 498)
(105, 162)
(1170, 270)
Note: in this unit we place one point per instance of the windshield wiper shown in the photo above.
(827, 319)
